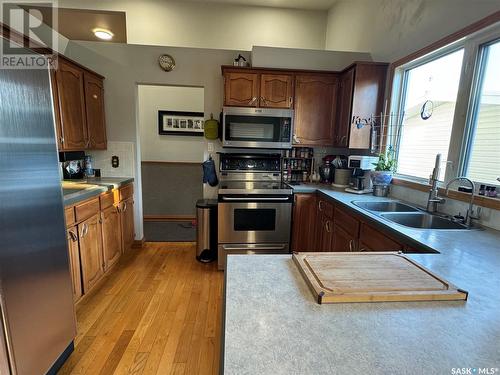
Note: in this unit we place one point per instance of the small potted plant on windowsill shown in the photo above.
(384, 168)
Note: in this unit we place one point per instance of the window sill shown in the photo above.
(479, 200)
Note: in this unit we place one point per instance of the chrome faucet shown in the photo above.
(469, 216)
(434, 198)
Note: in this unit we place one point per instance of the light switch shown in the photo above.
(210, 147)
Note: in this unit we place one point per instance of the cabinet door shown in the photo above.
(94, 105)
(343, 124)
(91, 251)
(367, 100)
(315, 109)
(276, 90)
(241, 89)
(74, 262)
(127, 221)
(326, 235)
(342, 240)
(111, 236)
(71, 105)
(371, 239)
(304, 222)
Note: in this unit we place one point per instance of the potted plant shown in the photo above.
(384, 168)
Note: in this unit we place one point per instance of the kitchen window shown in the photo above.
(482, 156)
(430, 96)
(448, 102)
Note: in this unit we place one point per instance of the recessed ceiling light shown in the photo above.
(103, 34)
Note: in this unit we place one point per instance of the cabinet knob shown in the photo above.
(296, 139)
(95, 96)
(73, 236)
(351, 247)
(290, 101)
(252, 100)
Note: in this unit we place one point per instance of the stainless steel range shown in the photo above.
(255, 207)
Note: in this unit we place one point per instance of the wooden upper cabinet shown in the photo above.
(241, 89)
(276, 90)
(343, 124)
(71, 107)
(367, 100)
(315, 109)
(94, 104)
(79, 107)
(304, 222)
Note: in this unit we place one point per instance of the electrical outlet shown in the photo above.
(115, 161)
(210, 147)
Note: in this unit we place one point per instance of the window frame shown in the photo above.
(464, 115)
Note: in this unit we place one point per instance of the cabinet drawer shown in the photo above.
(347, 222)
(126, 192)
(85, 210)
(325, 207)
(374, 240)
(69, 216)
(107, 200)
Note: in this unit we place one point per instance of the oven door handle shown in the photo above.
(256, 199)
(257, 247)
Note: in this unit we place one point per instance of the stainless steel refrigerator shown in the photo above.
(37, 311)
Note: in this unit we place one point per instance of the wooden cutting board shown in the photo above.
(372, 277)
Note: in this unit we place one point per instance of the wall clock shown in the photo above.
(167, 62)
(426, 110)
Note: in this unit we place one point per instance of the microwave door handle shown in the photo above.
(256, 198)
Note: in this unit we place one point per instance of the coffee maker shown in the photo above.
(360, 182)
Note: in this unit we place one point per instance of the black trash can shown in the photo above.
(206, 230)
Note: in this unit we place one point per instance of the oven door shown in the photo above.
(257, 127)
(251, 220)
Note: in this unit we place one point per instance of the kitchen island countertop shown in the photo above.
(273, 325)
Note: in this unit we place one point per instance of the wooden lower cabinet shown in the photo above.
(304, 223)
(324, 224)
(111, 236)
(320, 225)
(91, 251)
(74, 262)
(371, 239)
(127, 223)
(342, 240)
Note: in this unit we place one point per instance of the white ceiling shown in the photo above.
(297, 4)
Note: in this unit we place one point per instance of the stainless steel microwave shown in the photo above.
(257, 127)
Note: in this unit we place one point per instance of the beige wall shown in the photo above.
(213, 25)
(391, 29)
(156, 147)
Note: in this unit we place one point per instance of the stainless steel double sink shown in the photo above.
(408, 216)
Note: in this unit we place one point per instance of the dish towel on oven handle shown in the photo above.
(209, 174)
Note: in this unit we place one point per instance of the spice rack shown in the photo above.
(297, 164)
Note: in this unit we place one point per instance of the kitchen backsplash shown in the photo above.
(126, 155)
(489, 217)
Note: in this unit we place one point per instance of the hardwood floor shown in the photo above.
(158, 312)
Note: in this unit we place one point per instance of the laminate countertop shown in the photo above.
(75, 191)
(273, 324)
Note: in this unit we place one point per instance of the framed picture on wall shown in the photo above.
(180, 123)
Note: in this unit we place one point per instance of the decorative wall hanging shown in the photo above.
(181, 123)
